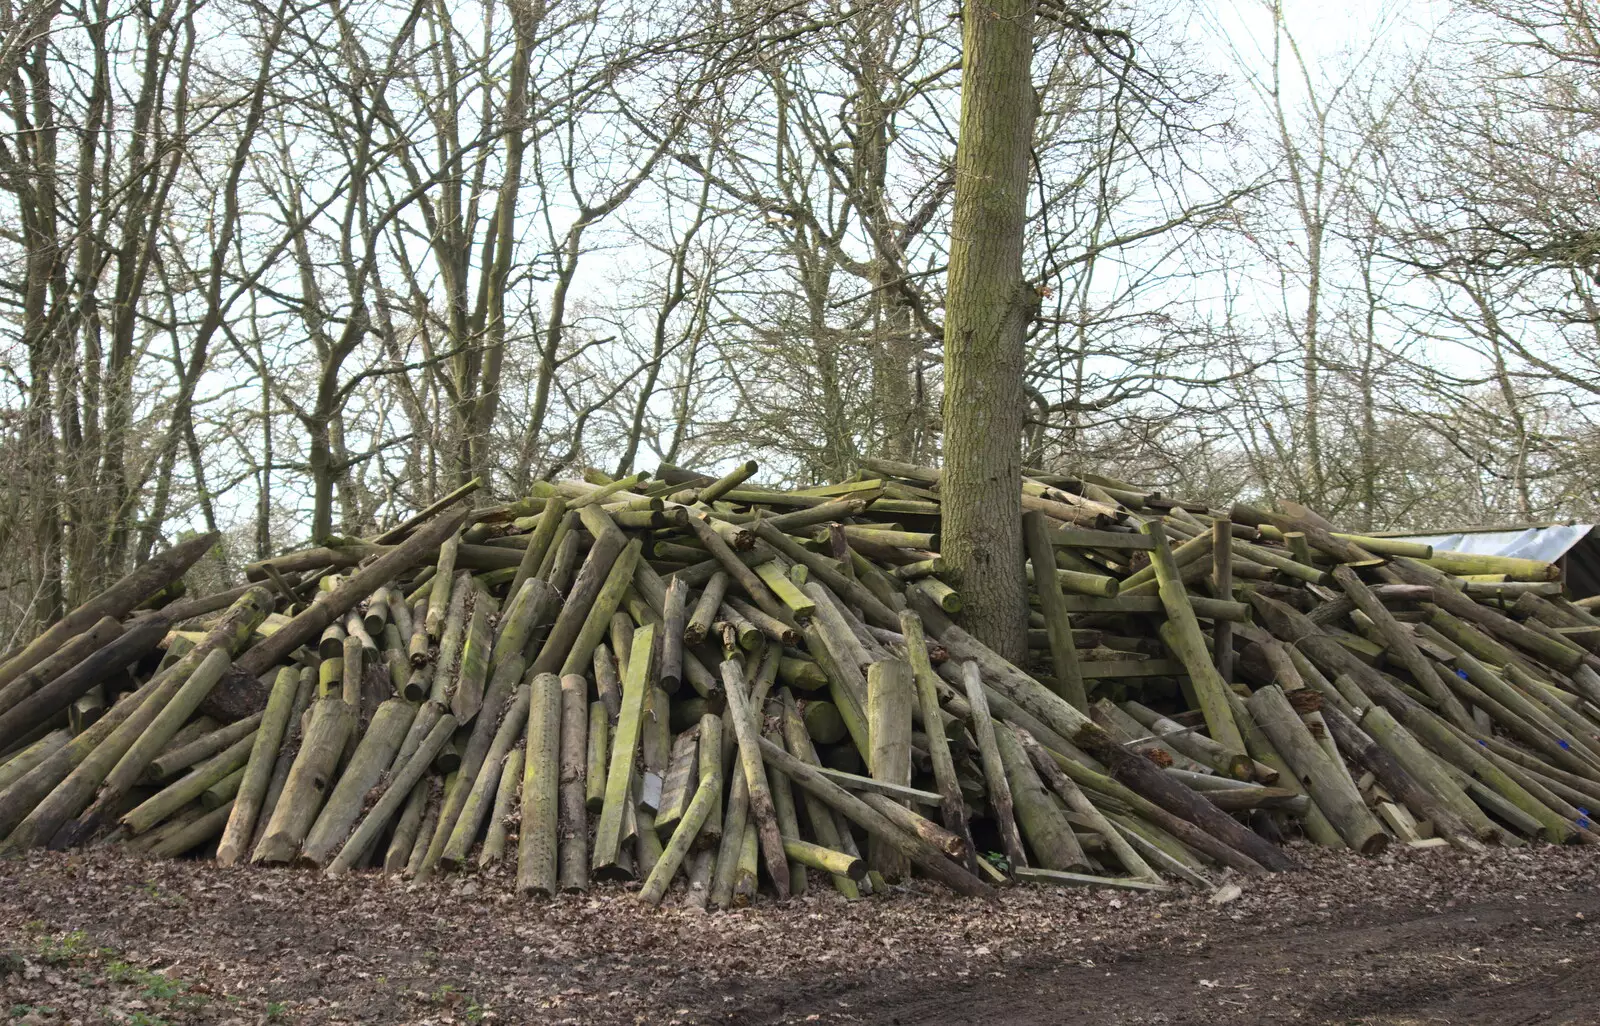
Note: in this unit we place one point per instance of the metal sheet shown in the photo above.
(1544, 543)
(1574, 546)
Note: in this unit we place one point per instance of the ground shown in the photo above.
(1407, 939)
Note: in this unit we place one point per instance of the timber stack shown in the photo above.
(719, 691)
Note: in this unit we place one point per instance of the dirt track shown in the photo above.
(1428, 938)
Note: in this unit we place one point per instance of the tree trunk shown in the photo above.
(986, 312)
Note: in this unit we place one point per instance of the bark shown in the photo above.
(997, 787)
(539, 840)
(309, 781)
(742, 711)
(52, 696)
(889, 703)
(116, 602)
(573, 825)
(252, 791)
(987, 307)
(604, 862)
(372, 757)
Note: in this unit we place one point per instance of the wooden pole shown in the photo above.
(761, 807)
(401, 530)
(506, 795)
(1334, 796)
(116, 602)
(486, 783)
(37, 707)
(276, 649)
(1222, 588)
(1400, 784)
(400, 790)
(1075, 800)
(372, 757)
(310, 778)
(1401, 643)
(994, 773)
(1182, 634)
(673, 617)
(444, 585)
(558, 647)
(672, 856)
(705, 609)
(604, 861)
(48, 669)
(889, 704)
(1050, 836)
(1057, 621)
(539, 842)
(573, 820)
(1241, 848)
(923, 855)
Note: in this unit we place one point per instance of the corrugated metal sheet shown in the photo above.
(1574, 546)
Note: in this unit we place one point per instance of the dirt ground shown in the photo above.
(1403, 940)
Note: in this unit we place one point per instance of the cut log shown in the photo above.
(890, 696)
(399, 792)
(310, 779)
(762, 812)
(1340, 802)
(604, 861)
(116, 602)
(573, 820)
(539, 840)
(1048, 833)
(371, 758)
(997, 788)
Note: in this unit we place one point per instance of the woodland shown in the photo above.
(287, 270)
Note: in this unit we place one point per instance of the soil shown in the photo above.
(1409, 938)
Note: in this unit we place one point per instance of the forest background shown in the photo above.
(286, 269)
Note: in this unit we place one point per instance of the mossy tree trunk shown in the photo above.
(986, 314)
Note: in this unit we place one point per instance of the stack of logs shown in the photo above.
(760, 691)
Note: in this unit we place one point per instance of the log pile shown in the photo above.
(720, 691)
